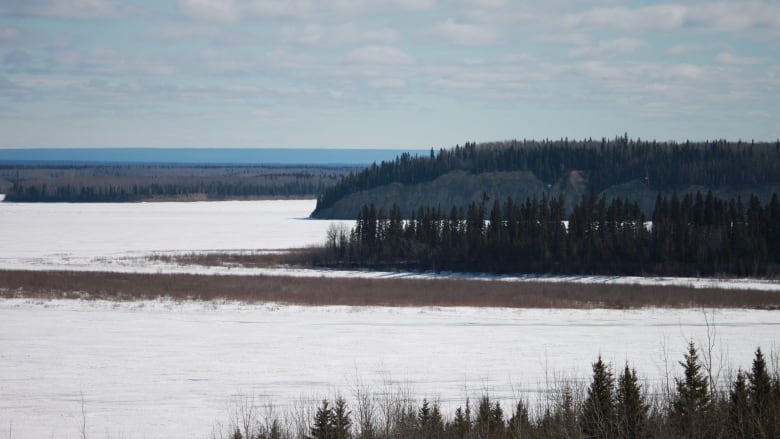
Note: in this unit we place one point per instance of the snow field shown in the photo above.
(169, 369)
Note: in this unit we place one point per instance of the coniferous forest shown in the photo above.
(659, 166)
(697, 234)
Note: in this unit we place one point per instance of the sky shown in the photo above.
(384, 73)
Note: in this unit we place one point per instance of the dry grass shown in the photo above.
(368, 292)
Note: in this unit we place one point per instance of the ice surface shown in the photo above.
(164, 369)
(76, 230)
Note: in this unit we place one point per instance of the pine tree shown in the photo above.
(461, 425)
(598, 410)
(436, 429)
(738, 424)
(520, 423)
(323, 422)
(691, 403)
(490, 418)
(341, 419)
(760, 395)
(632, 409)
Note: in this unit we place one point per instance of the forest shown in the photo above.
(693, 405)
(662, 166)
(697, 234)
(127, 183)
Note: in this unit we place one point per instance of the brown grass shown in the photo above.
(367, 292)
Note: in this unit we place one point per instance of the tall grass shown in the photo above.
(372, 292)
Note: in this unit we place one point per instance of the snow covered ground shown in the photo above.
(120, 237)
(163, 369)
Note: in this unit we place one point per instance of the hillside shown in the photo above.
(634, 170)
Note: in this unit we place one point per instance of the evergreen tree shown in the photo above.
(341, 419)
(598, 410)
(519, 425)
(323, 422)
(632, 409)
(762, 404)
(739, 424)
(691, 403)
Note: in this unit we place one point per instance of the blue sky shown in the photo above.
(383, 73)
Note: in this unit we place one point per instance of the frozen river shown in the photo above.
(161, 369)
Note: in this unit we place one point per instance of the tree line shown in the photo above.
(691, 235)
(139, 191)
(611, 407)
(664, 166)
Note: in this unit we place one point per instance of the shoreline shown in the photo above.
(397, 292)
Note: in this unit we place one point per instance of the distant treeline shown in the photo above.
(693, 235)
(661, 165)
(614, 405)
(118, 184)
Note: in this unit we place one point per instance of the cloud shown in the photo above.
(345, 34)
(618, 46)
(17, 60)
(392, 84)
(487, 3)
(465, 34)
(112, 63)
(181, 32)
(622, 18)
(211, 10)
(338, 8)
(684, 49)
(717, 17)
(734, 60)
(9, 34)
(387, 55)
(78, 9)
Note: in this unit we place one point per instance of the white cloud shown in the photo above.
(684, 49)
(731, 59)
(387, 55)
(345, 34)
(487, 3)
(622, 18)
(339, 8)
(110, 62)
(79, 9)
(718, 17)
(465, 34)
(181, 32)
(618, 46)
(393, 84)
(10, 34)
(211, 10)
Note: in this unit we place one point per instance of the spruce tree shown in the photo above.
(520, 423)
(598, 410)
(761, 401)
(323, 422)
(691, 403)
(341, 419)
(738, 423)
(632, 409)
